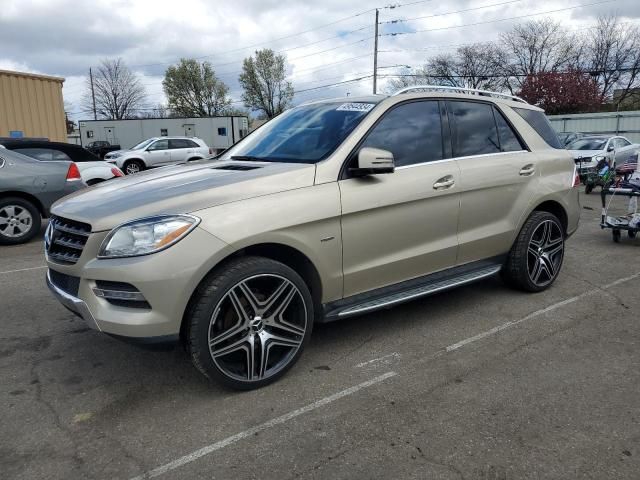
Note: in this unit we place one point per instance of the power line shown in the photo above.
(497, 20)
(402, 20)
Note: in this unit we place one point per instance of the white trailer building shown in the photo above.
(218, 132)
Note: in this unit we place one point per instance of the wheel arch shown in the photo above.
(280, 252)
(30, 198)
(555, 208)
(138, 159)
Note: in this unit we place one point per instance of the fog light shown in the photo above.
(119, 295)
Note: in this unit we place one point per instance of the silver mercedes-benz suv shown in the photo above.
(334, 208)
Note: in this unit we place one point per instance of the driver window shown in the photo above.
(159, 145)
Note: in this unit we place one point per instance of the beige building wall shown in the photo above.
(32, 104)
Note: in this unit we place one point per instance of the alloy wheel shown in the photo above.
(132, 168)
(15, 221)
(257, 327)
(545, 252)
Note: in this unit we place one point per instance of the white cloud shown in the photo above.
(66, 37)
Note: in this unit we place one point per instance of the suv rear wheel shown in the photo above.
(19, 220)
(536, 256)
(249, 322)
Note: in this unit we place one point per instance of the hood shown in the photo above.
(585, 153)
(120, 152)
(180, 189)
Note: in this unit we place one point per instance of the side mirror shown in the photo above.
(373, 161)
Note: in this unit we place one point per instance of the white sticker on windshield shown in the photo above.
(356, 107)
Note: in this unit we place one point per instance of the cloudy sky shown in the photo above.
(325, 42)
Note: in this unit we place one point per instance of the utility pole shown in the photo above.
(375, 55)
(93, 95)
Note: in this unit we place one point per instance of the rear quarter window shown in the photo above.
(539, 122)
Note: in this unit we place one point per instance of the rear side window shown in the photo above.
(411, 131)
(178, 143)
(538, 121)
(474, 129)
(509, 141)
(192, 144)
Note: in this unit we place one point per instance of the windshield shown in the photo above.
(142, 144)
(588, 144)
(305, 134)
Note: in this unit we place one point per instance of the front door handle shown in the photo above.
(444, 182)
(528, 170)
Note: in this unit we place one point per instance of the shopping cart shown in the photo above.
(619, 223)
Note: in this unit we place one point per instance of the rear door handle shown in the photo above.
(528, 170)
(444, 182)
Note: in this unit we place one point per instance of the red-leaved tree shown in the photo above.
(562, 92)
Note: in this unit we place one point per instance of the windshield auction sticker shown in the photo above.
(356, 107)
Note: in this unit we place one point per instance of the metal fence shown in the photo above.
(626, 124)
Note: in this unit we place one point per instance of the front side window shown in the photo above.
(159, 145)
(411, 131)
(474, 129)
(142, 144)
(304, 134)
(539, 122)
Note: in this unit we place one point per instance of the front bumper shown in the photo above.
(73, 304)
(166, 279)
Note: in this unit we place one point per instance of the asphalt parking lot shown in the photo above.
(477, 383)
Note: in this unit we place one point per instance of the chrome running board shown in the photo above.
(413, 293)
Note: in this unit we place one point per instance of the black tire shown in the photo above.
(215, 313)
(616, 234)
(131, 167)
(94, 181)
(527, 252)
(18, 214)
(588, 188)
(194, 159)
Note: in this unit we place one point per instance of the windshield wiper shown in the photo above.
(249, 158)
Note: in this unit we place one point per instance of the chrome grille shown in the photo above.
(65, 239)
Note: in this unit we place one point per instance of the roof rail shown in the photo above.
(470, 91)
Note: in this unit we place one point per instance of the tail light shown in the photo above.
(117, 172)
(210, 150)
(73, 173)
(576, 178)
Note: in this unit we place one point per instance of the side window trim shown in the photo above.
(343, 175)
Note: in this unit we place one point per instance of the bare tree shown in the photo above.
(407, 78)
(613, 57)
(473, 66)
(535, 47)
(264, 83)
(118, 91)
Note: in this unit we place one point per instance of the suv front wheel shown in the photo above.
(249, 322)
(537, 254)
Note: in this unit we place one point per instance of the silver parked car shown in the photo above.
(28, 188)
(587, 151)
(159, 151)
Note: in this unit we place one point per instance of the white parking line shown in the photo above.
(384, 358)
(349, 391)
(23, 269)
(537, 313)
(268, 424)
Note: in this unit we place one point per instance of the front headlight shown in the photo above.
(146, 235)
(597, 158)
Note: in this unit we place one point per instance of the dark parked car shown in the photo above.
(28, 188)
(101, 148)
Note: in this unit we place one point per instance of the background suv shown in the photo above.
(334, 208)
(158, 151)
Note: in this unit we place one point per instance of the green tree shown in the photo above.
(193, 90)
(265, 86)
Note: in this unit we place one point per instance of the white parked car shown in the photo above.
(589, 150)
(92, 169)
(159, 151)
